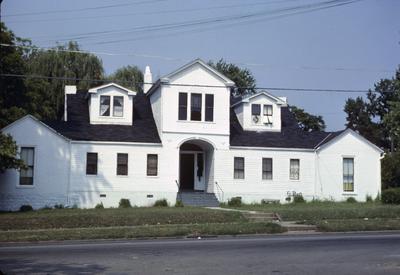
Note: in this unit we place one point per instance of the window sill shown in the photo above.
(195, 121)
(122, 176)
(25, 186)
(152, 177)
(295, 180)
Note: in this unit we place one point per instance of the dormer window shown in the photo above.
(105, 105)
(118, 108)
(267, 112)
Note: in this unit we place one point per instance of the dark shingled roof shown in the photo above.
(144, 128)
(78, 127)
(291, 135)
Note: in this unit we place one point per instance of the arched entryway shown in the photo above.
(196, 171)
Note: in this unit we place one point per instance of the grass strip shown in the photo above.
(143, 231)
(82, 218)
(358, 225)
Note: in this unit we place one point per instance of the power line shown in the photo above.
(201, 22)
(174, 59)
(187, 85)
(83, 9)
(153, 12)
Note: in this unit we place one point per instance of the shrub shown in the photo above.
(267, 201)
(161, 203)
(25, 208)
(369, 198)
(298, 198)
(124, 203)
(391, 196)
(178, 203)
(59, 206)
(235, 202)
(351, 200)
(46, 207)
(99, 206)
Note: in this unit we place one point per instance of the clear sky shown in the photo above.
(282, 42)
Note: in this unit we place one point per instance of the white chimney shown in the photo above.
(148, 80)
(68, 90)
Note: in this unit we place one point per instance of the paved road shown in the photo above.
(282, 254)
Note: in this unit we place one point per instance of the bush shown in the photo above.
(391, 196)
(25, 208)
(124, 203)
(369, 198)
(161, 203)
(178, 203)
(235, 202)
(351, 200)
(298, 198)
(59, 206)
(99, 206)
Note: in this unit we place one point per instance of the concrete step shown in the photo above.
(198, 199)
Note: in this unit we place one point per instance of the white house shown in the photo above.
(184, 138)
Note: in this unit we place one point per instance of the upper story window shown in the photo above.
(26, 175)
(195, 108)
(118, 108)
(266, 111)
(209, 113)
(105, 105)
(348, 174)
(182, 112)
(294, 169)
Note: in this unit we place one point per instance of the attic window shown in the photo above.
(118, 109)
(267, 110)
(105, 105)
(255, 109)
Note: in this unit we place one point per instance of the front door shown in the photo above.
(186, 177)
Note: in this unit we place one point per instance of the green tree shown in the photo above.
(308, 122)
(128, 76)
(12, 89)
(243, 78)
(8, 154)
(84, 69)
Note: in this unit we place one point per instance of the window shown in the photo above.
(209, 108)
(267, 168)
(118, 108)
(182, 112)
(152, 163)
(195, 107)
(348, 174)
(294, 169)
(104, 105)
(267, 110)
(91, 163)
(255, 109)
(238, 168)
(122, 164)
(26, 175)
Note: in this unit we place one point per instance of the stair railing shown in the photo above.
(179, 191)
(220, 192)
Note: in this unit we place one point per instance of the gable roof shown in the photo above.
(78, 126)
(95, 89)
(337, 135)
(247, 98)
(198, 61)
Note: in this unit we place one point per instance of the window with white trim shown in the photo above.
(267, 168)
(118, 106)
(27, 154)
(152, 164)
(294, 169)
(238, 172)
(105, 105)
(348, 174)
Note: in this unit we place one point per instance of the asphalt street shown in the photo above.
(364, 253)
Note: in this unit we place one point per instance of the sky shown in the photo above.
(299, 44)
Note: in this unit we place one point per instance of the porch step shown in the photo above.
(198, 199)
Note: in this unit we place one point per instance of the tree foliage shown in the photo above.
(242, 77)
(8, 154)
(308, 122)
(128, 76)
